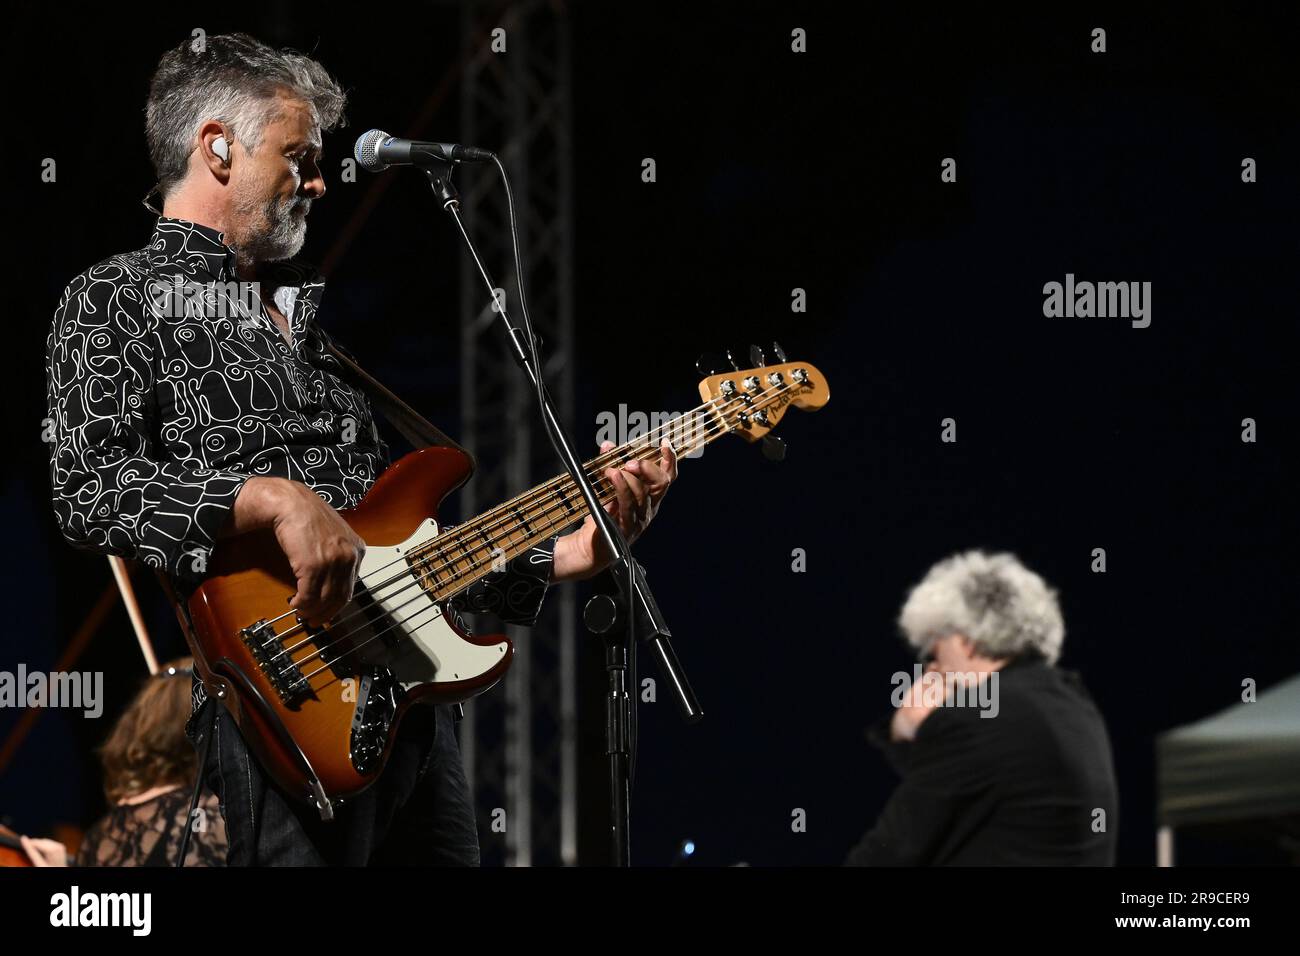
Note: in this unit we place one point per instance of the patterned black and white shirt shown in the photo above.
(169, 385)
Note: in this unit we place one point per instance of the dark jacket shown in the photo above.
(1019, 789)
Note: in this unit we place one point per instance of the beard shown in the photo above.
(274, 229)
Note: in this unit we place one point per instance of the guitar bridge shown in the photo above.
(274, 661)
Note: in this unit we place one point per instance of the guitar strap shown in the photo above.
(413, 426)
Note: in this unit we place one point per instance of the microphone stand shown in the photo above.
(603, 615)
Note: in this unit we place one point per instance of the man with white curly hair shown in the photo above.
(1023, 778)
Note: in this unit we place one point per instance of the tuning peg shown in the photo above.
(773, 448)
(756, 357)
(780, 352)
(704, 365)
(732, 360)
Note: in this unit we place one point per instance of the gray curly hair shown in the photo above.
(1002, 606)
(233, 79)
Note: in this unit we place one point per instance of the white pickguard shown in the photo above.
(429, 651)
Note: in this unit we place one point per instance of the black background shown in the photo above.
(779, 170)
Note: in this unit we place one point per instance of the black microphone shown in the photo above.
(376, 151)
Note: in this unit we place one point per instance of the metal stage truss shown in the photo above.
(520, 740)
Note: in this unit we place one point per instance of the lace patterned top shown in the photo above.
(149, 833)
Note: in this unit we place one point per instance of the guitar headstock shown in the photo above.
(752, 401)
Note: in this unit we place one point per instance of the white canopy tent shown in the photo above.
(1241, 764)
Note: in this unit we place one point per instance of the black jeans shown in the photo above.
(418, 813)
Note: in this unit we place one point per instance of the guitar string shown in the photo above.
(528, 498)
(401, 622)
(394, 625)
(458, 540)
(414, 580)
(549, 489)
(461, 534)
(539, 495)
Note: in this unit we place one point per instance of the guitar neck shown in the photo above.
(451, 562)
(750, 403)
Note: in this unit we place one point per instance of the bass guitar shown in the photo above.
(320, 706)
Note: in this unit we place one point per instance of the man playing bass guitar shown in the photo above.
(174, 432)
